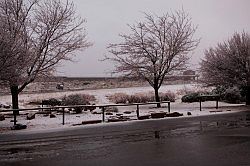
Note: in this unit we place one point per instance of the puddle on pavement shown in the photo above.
(238, 122)
(204, 126)
(193, 129)
(17, 150)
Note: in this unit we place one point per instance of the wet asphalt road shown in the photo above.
(198, 141)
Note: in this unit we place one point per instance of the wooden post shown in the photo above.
(168, 107)
(15, 117)
(42, 106)
(103, 114)
(217, 103)
(63, 116)
(200, 103)
(137, 111)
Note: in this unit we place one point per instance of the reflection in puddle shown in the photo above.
(102, 145)
(17, 150)
(157, 134)
(248, 117)
(206, 126)
(238, 122)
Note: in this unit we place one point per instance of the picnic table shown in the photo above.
(209, 98)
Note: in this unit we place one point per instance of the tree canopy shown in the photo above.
(155, 47)
(36, 35)
(228, 63)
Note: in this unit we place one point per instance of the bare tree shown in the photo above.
(155, 47)
(228, 64)
(36, 35)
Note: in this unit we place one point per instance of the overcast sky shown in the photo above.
(217, 20)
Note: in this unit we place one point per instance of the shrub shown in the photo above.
(118, 98)
(227, 94)
(192, 97)
(196, 89)
(78, 99)
(232, 95)
(220, 90)
(50, 102)
(168, 96)
(54, 102)
(243, 93)
(140, 97)
(34, 102)
(111, 109)
(195, 96)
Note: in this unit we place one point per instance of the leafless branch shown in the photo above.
(155, 47)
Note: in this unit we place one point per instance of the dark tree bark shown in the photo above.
(157, 97)
(14, 94)
(248, 95)
(248, 88)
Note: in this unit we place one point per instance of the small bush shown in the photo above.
(232, 95)
(220, 90)
(227, 94)
(195, 96)
(192, 97)
(140, 97)
(54, 102)
(197, 89)
(168, 96)
(33, 102)
(51, 102)
(118, 98)
(77, 99)
(111, 109)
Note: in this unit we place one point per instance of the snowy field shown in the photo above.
(42, 122)
(100, 94)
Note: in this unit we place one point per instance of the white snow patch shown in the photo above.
(44, 123)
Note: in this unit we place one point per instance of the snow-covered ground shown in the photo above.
(42, 122)
(100, 94)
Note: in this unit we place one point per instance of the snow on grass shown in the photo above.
(100, 94)
(43, 123)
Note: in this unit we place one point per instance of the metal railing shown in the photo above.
(100, 106)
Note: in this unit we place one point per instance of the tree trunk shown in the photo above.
(248, 95)
(14, 94)
(248, 90)
(157, 97)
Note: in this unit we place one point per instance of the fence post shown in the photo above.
(200, 103)
(63, 116)
(137, 111)
(217, 103)
(103, 114)
(168, 107)
(15, 117)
